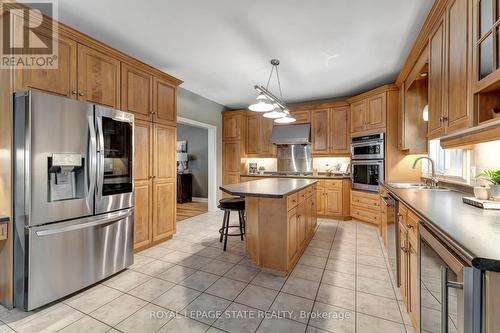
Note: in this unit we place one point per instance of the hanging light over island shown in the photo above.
(267, 102)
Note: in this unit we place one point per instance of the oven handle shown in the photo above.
(445, 284)
(367, 143)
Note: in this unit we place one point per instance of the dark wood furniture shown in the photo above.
(184, 187)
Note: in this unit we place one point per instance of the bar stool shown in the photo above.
(228, 205)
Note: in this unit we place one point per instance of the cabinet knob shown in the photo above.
(74, 92)
(409, 226)
(404, 249)
(81, 93)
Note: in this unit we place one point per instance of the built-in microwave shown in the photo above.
(366, 174)
(368, 147)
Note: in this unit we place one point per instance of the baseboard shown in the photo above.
(198, 199)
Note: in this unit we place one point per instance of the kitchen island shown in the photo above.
(280, 220)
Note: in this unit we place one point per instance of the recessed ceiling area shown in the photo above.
(221, 48)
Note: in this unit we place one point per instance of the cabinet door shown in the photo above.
(266, 148)
(436, 81)
(142, 214)
(403, 262)
(136, 92)
(231, 156)
(320, 201)
(339, 131)
(413, 284)
(98, 77)
(319, 131)
(60, 80)
(334, 201)
(376, 113)
(301, 223)
(253, 134)
(231, 127)
(458, 110)
(358, 114)
(164, 102)
(292, 235)
(164, 201)
(143, 153)
(165, 162)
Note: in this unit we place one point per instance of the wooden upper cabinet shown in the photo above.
(320, 120)
(61, 80)
(358, 115)
(458, 113)
(266, 148)
(143, 137)
(253, 134)
(98, 77)
(436, 81)
(165, 162)
(231, 126)
(164, 102)
(136, 92)
(376, 112)
(339, 131)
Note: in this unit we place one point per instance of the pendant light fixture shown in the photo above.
(274, 107)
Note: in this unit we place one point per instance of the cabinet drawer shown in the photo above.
(302, 195)
(365, 215)
(366, 200)
(333, 183)
(292, 200)
(320, 184)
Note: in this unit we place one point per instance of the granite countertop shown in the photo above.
(472, 232)
(4, 218)
(268, 188)
(320, 176)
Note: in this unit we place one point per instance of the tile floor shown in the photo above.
(188, 284)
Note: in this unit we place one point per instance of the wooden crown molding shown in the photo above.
(422, 40)
(379, 90)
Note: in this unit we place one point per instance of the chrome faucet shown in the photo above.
(434, 181)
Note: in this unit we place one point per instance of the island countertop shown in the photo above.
(472, 232)
(268, 188)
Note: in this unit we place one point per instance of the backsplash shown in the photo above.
(319, 163)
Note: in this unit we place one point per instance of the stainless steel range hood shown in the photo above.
(291, 134)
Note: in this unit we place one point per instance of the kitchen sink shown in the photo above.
(417, 186)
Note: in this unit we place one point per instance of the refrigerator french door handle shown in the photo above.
(91, 160)
(445, 284)
(100, 156)
(109, 218)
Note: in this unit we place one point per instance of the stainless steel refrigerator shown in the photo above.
(73, 196)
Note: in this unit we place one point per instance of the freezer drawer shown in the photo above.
(66, 257)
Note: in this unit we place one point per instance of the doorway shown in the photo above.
(204, 180)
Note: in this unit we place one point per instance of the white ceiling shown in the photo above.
(222, 48)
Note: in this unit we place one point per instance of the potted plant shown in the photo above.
(493, 176)
(261, 170)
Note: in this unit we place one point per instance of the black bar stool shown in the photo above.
(228, 205)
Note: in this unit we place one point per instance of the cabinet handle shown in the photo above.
(404, 249)
(81, 94)
(74, 92)
(445, 118)
(409, 226)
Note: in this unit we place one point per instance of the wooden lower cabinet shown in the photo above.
(408, 257)
(332, 198)
(143, 204)
(292, 235)
(164, 210)
(365, 206)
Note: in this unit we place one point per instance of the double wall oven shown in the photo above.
(73, 196)
(367, 153)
